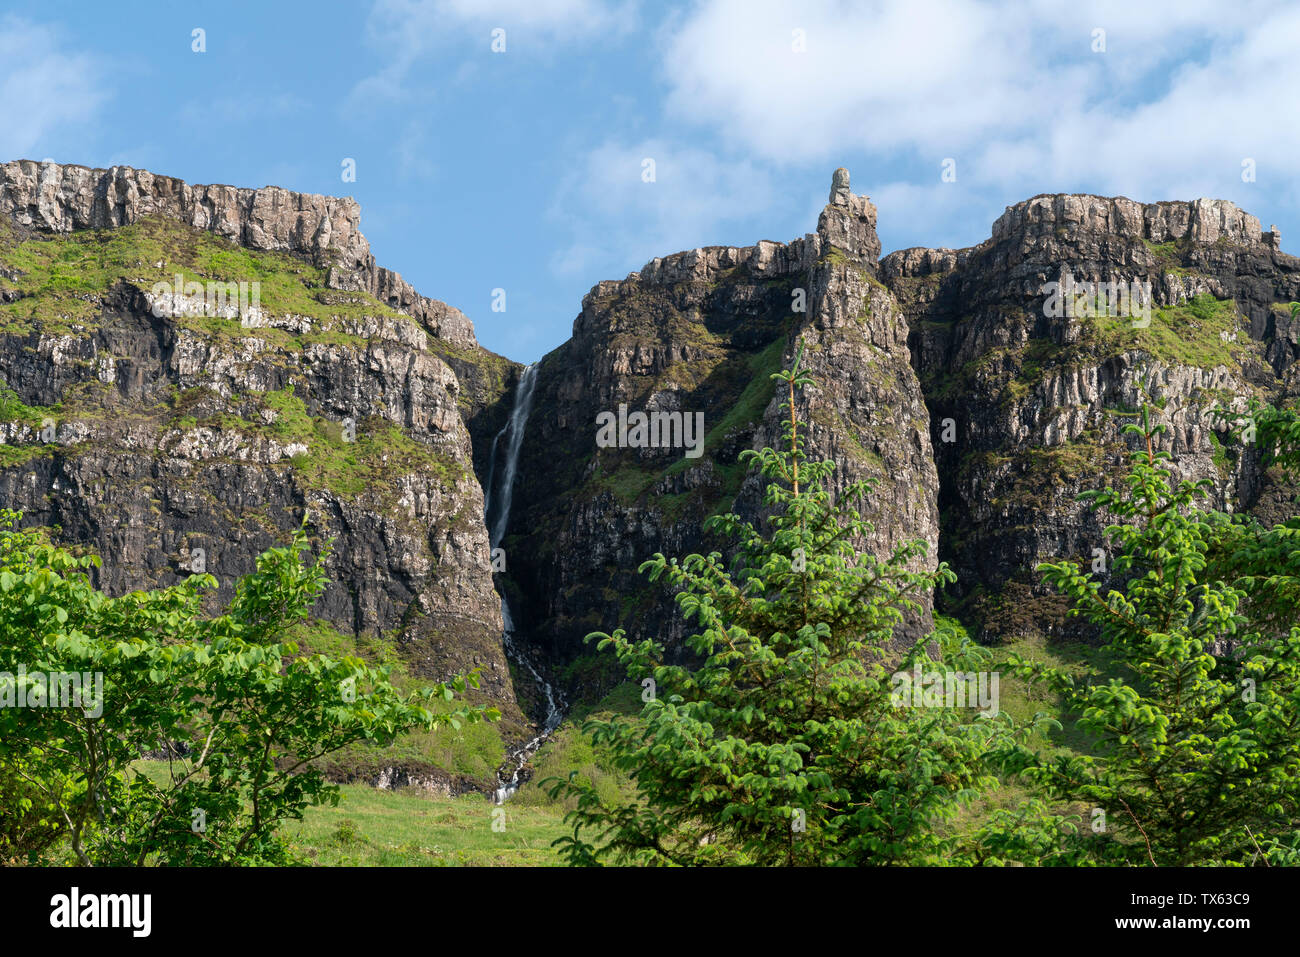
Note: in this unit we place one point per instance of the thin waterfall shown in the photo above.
(497, 513)
(514, 429)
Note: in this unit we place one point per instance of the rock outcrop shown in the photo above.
(979, 397)
(324, 229)
(172, 435)
(1026, 406)
(700, 332)
(1007, 413)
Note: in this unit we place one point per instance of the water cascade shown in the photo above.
(497, 511)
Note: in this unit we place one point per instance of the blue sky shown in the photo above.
(523, 169)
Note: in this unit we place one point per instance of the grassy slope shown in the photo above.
(471, 754)
(409, 829)
(60, 278)
(630, 481)
(1022, 701)
(405, 829)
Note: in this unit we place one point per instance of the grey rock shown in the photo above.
(323, 229)
(840, 192)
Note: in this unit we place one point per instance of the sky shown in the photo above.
(540, 146)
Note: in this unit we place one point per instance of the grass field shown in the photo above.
(407, 829)
(411, 828)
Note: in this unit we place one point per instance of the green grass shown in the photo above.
(14, 455)
(1222, 461)
(12, 409)
(570, 749)
(629, 482)
(409, 828)
(1023, 701)
(381, 452)
(1203, 332)
(473, 752)
(752, 402)
(291, 418)
(1200, 333)
(61, 277)
(373, 828)
(381, 455)
(1168, 254)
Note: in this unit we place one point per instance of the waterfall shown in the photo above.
(514, 426)
(497, 514)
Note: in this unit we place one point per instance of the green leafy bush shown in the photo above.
(237, 715)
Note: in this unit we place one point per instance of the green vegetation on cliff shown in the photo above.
(58, 281)
(13, 410)
(1202, 333)
(745, 398)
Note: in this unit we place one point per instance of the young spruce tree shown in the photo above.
(1198, 744)
(782, 747)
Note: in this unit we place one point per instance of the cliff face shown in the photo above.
(325, 230)
(866, 411)
(981, 407)
(699, 333)
(167, 431)
(171, 434)
(1033, 400)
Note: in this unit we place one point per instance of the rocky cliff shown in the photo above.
(698, 334)
(324, 230)
(1026, 400)
(982, 407)
(981, 389)
(173, 431)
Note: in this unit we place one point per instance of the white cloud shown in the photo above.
(49, 91)
(879, 76)
(1191, 140)
(559, 18)
(618, 221)
(1014, 92)
(405, 31)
